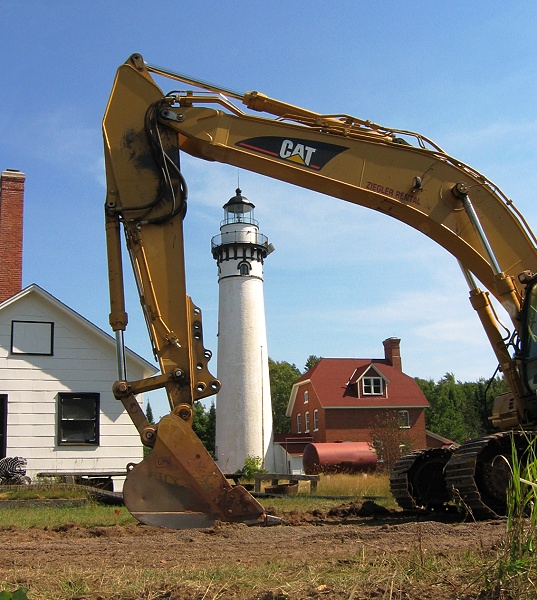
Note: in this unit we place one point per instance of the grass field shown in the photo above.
(93, 514)
(412, 561)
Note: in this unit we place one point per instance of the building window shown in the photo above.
(78, 419)
(403, 419)
(32, 337)
(307, 422)
(299, 423)
(306, 397)
(244, 268)
(315, 420)
(372, 386)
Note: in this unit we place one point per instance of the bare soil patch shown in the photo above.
(354, 552)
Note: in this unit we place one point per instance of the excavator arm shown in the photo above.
(178, 484)
(398, 173)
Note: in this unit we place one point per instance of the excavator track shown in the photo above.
(475, 476)
(417, 480)
(479, 472)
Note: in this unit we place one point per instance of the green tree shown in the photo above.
(460, 411)
(311, 361)
(282, 377)
(481, 395)
(445, 415)
(204, 424)
(149, 414)
(210, 430)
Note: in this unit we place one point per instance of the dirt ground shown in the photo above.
(365, 544)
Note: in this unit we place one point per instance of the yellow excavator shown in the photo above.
(396, 172)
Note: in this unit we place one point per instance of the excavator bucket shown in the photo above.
(179, 486)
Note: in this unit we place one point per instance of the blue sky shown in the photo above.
(342, 278)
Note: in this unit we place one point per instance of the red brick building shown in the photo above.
(345, 399)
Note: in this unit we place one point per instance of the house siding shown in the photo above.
(82, 362)
(357, 425)
(311, 406)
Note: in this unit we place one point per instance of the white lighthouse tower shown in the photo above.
(243, 405)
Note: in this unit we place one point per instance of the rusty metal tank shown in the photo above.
(338, 457)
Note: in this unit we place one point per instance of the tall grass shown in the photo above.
(332, 491)
(356, 485)
(516, 569)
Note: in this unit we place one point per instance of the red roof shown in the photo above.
(330, 378)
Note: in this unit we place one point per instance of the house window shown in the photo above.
(307, 422)
(403, 419)
(32, 337)
(78, 419)
(315, 420)
(372, 386)
(299, 423)
(306, 397)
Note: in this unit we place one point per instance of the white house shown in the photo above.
(57, 409)
(57, 369)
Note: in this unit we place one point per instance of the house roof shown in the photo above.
(330, 378)
(71, 314)
(439, 438)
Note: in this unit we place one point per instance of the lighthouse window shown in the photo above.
(244, 268)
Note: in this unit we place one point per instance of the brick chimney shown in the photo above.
(392, 352)
(11, 206)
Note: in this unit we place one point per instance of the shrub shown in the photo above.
(252, 464)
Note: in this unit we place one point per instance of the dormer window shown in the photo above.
(372, 386)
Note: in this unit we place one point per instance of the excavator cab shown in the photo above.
(528, 329)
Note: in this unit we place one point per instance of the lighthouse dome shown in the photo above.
(238, 203)
(239, 210)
